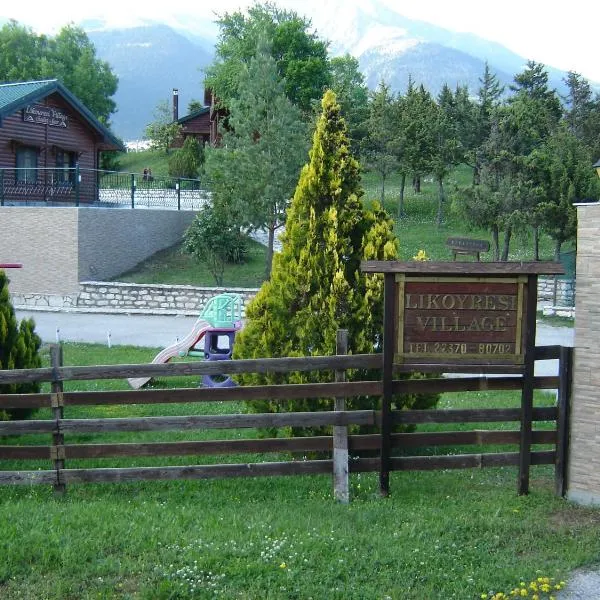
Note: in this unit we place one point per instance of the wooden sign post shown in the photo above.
(460, 317)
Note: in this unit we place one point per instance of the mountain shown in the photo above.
(390, 46)
(153, 58)
(150, 61)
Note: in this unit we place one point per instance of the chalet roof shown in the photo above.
(193, 115)
(15, 96)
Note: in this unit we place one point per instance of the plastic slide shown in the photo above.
(181, 347)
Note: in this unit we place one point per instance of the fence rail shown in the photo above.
(106, 189)
(343, 443)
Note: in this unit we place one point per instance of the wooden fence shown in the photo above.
(343, 449)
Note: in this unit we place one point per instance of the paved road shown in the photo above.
(158, 331)
(155, 331)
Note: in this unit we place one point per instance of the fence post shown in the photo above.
(340, 432)
(565, 374)
(56, 398)
(77, 184)
(389, 320)
(132, 190)
(178, 188)
(527, 389)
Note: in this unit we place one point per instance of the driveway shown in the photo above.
(158, 331)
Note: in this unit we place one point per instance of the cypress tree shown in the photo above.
(19, 349)
(316, 285)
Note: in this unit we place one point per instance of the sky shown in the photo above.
(564, 35)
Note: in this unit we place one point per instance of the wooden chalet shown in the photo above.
(50, 144)
(201, 124)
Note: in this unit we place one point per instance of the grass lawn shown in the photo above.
(446, 534)
(173, 266)
(136, 162)
(416, 231)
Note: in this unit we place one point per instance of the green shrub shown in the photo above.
(213, 240)
(187, 161)
(19, 349)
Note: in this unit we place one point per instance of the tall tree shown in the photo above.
(582, 112)
(256, 167)
(534, 112)
(352, 94)
(489, 97)
(378, 146)
(316, 285)
(300, 56)
(69, 57)
(420, 114)
(561, 169)
(447, 150)
(163, 131)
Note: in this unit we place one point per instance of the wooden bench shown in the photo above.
(467, 247)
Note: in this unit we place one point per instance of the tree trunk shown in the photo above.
(507, 236)
(496, 242)
(269, 257)
(401, 201)
(536, 243)
(476, 174)
(557, 247)
(441, 199)
(382, 189)
(417, 184)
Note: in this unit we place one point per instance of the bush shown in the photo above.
(187, 161)
(212, 239)
(19, 349)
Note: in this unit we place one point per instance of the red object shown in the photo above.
(10, 265)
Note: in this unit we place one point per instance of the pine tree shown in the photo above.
(19, 346)
(316, 285)
(256, 167)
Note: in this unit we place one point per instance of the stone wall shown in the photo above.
(584, 454)
(59, 247)
(167, 299)
(560, 292)
(108, 296)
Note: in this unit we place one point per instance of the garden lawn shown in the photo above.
(416, 230)
(446, 534)
(175, 267)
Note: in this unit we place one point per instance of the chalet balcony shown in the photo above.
(100, 189)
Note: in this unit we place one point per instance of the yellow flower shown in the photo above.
(421, 255)
(524, 592)
(282, 565)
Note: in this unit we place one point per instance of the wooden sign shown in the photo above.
(460, 320)
(45, 115)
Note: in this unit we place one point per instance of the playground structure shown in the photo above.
(211, 338)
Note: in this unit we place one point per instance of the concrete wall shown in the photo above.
(59, 247)
(115, 240)
(584, 454)
(46, 241)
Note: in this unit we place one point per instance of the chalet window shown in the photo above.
(65, 165)
(27, 162)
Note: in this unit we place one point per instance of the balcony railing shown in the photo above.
(91, 187)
